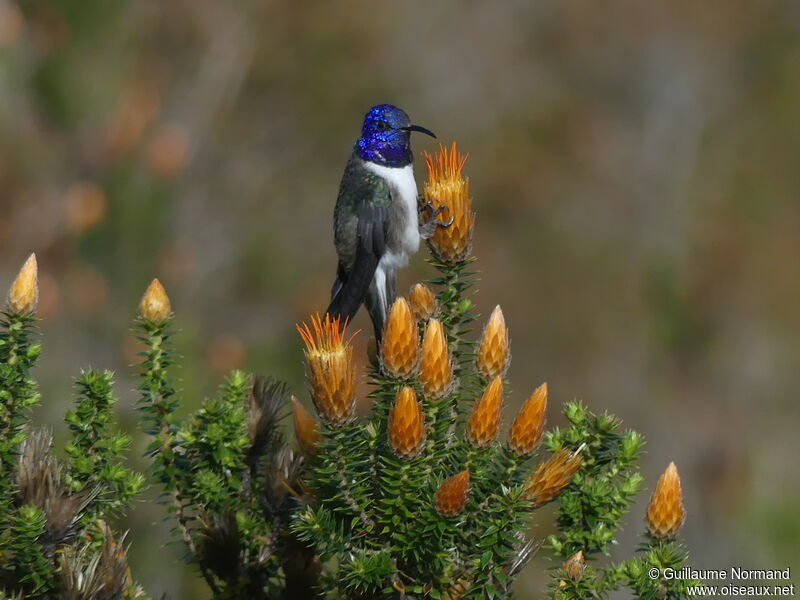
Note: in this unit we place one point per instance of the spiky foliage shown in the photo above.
(97, 569)
(396, 511)
(96, 449)
(591, 509)
(27, 565)
(227, 474)
(437, 511)
(423, 498)
(47, 507)
(18, 391)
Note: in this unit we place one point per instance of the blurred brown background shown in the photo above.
(633, 165)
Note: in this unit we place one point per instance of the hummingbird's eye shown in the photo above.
(383, 125)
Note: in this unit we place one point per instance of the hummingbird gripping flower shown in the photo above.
(376, 220)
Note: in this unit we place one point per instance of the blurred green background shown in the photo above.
(634, 167)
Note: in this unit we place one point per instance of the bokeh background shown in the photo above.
(634, 167)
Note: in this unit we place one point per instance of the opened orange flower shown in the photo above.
(494, 354)
(435, 368)
(400, 345)
(155, 305)
(484, 421)
(406, 426)
(552, 476)
(526, 431)
(23, 296)
(329, 369)
(306, 428)
(665, 513)
(451, 497)
(446, 187)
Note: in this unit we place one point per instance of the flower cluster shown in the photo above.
(423, 497)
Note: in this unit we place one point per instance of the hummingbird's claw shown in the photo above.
(427, 229)
(434, 213)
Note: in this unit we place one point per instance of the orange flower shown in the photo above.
(155, 304)
(665, 513)
(525, 432)
(422, 300)
(329, 369)
(493, 352)
(406, 427)
(435, 369)
(400, 345)
(457, 590)
(306, 428)
(484, 422)
(451, 497)
(446, 187)
(23, 296)
(552, 476)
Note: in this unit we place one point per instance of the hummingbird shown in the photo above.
(376, 219)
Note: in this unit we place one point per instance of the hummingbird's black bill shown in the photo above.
(421, 129)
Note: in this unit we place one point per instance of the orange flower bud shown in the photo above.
(406, 427)
(484, 422)
(422, 300)
(306, 428)
(525, 432)
(400, 345)
(23, 296)
(435, 369)
(457, 590)
(493, 352)
(446, 187)
(665, 513)
(451, 497)
(575, 565)
(155, 304)
(329, 369)
(552, 476)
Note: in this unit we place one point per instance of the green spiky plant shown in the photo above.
(54, 540)
(419, 499)
(226, 471)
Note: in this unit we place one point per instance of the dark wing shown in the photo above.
(363, 205)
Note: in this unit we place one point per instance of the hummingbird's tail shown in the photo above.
(350, 290)
(380, 297)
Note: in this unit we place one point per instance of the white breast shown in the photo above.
(404, 191)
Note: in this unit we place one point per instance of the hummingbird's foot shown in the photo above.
(428, 205)
(426, 230)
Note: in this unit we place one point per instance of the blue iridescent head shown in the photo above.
(386, 136)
